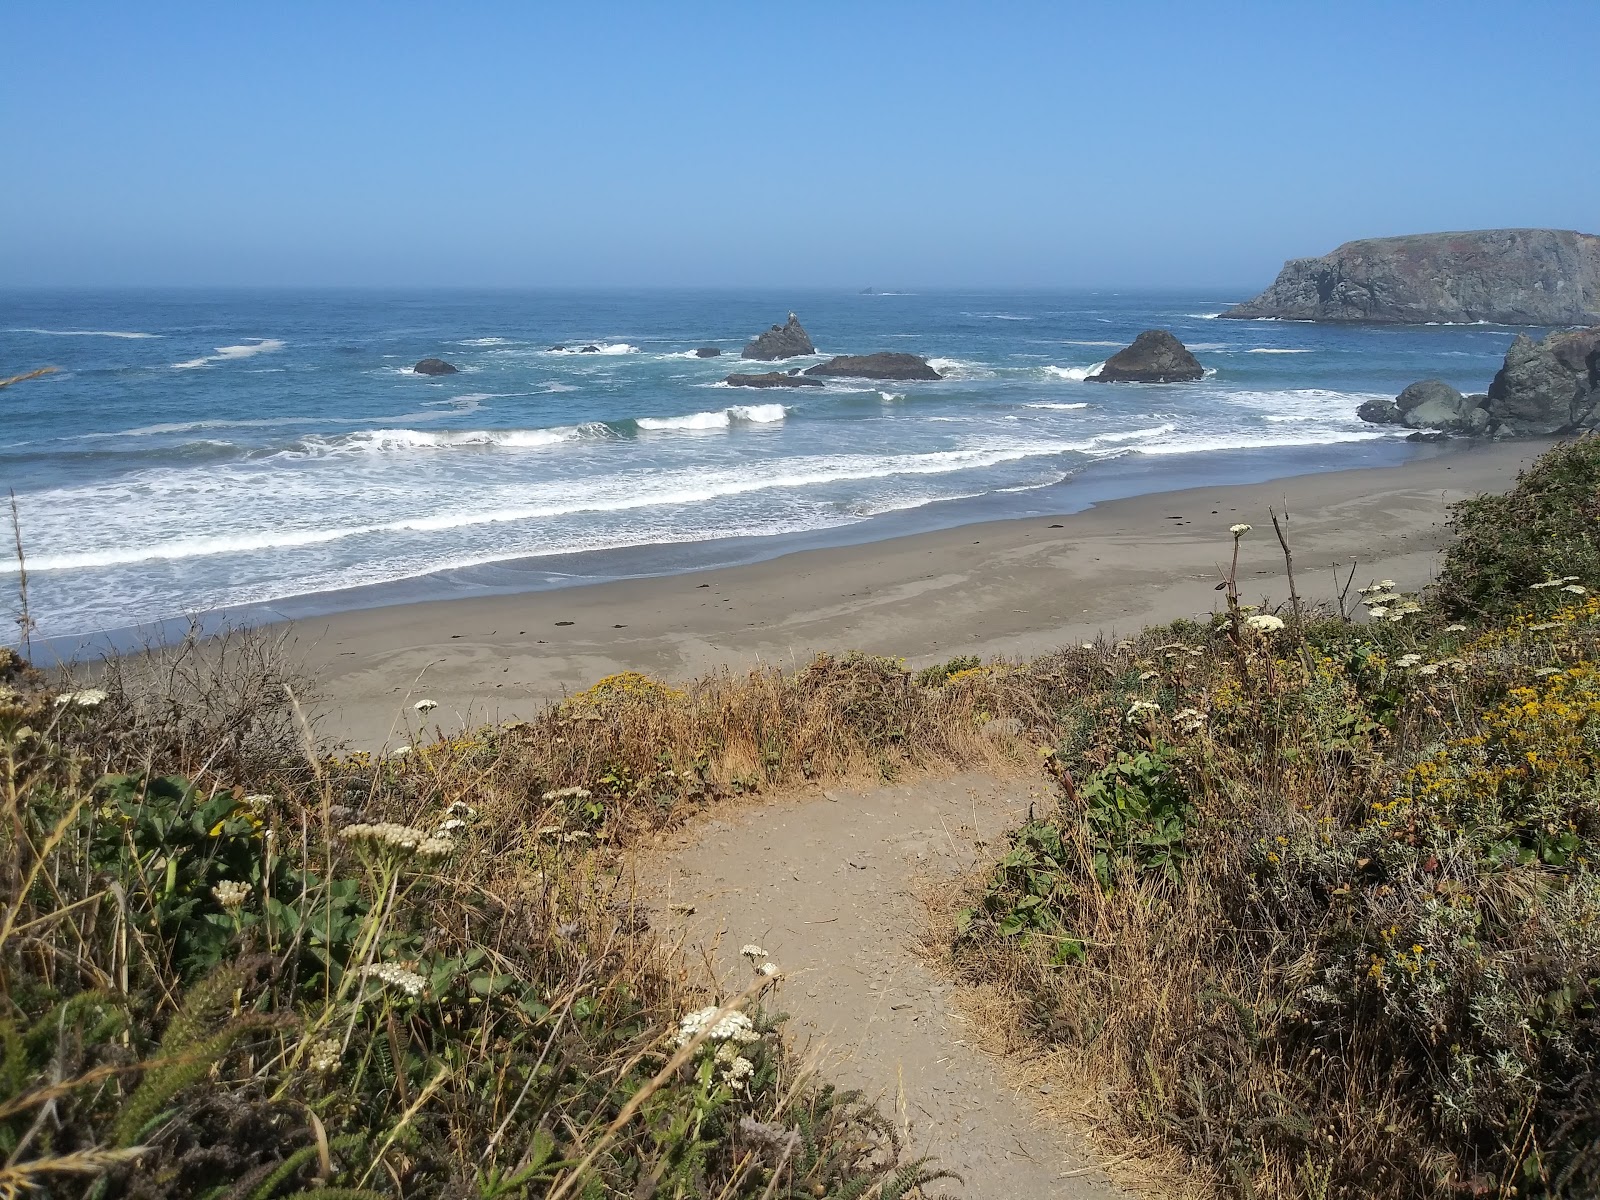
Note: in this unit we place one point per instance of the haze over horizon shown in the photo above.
(931, 145)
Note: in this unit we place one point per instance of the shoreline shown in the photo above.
(1011, 587)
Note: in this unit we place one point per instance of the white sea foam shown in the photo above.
(230, 353)
(485, 341)
(891, 397)
(1204, 316)
(599, 348)
(113, 333)
(955, 368)
(1303, 404)
(1070, 342)
(1200, 443)
(756, 414)
(1274, 350)
(1056, 407)
(1074, 374)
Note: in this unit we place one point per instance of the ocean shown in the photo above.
(271, 452)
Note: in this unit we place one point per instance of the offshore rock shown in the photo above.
(708, 352)
(768, 379)
(1155, 357)
(434, 366)
(885, 365)
(1505, 276)
(1434, 404)
(1548, 387)
(781, 341)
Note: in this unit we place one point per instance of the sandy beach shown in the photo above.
(1014, 587)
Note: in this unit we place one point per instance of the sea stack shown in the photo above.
(884, 365)
(1155, 357)
(781, 341)
(434, 366)
(1503, 276)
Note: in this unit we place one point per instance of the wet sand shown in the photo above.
(1014, 587)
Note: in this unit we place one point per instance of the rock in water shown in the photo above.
(708, 352)
(434, 366)
(781, 341)
(1434, 404)
(771, 379)
(1550, 386)
(1509, 276)
(1155, 357)
(885, 365)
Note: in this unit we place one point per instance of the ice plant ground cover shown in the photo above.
(1326, 918)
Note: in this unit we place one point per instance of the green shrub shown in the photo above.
(1543, 528)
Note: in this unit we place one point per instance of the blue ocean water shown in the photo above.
(203, 451)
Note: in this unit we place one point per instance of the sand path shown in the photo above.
(828, 883)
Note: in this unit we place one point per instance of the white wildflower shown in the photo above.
(450, 826)
(398, 978)
(1430, 669)
(752, 951)
(1457, 628)
(88, 698)
(1406, 661)
(769, 969)
(730, 1027)
(257, 804)
(738, 1072)
(400, 751)
(1146, 676)
(1239, 530)
(390, 838)
(1265, 623)
(325, 1055)
(1087, 646)
(438, 846)
(425, 706)
(1379, 612)
(1543, 625)
(1190, 720)
(1576, 589)
(1386, 584)
(1548, 583)
(231, 894)
(1138, 709)
(577, 835)
(567, 793)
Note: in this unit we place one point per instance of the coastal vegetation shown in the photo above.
(1317, 908)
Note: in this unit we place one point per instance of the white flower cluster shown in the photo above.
(567, 793)
(1385, 604)
(757, 957)
(1567, 583)
(1264, 623)
(736, 1068)
(732, 1027)
(387, 837)
(1406, 661)
(425, 706)
(231, 894)
(88, 698)
(752, 951)
(325, 1055)
(1140, 709)
(1189, 720)
(401, 980)
(1239, 530)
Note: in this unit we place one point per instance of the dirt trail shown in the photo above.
(826, 882)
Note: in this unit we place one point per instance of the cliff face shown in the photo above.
(1508, 276)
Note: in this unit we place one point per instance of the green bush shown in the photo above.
(1544, 528)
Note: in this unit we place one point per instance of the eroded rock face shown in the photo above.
(1507, 276)
(1155, 357)
(1549, 386)
(771, 379)
(781, 341)
(434, 366)
(886, 365)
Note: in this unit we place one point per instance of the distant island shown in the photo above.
(1497, 276)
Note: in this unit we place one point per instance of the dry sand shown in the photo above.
(1004, 588)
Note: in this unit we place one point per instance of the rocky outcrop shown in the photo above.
(781, 341)
(1549, 386)
(1507, 276)
(1155, 357)
(1430, 404)
(771, 379)
(434, 366)
(885, 365)
(708, 352)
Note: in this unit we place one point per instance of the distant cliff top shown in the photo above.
(1504, 276)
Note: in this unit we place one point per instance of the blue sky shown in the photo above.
(1006, 144)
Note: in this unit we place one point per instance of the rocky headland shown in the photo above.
(1502, 276)
(884, 365)
(1547, 387)
(789, 340)
(1156, 356)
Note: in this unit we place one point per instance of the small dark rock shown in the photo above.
(557, 349)
(886, 365)
(781, 341)
(769, 379)
(590, 350)
(434, 366)
(1155, 357)
(708, 352)
(1379, 412)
